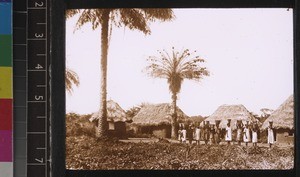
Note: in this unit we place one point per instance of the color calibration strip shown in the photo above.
(6, 90)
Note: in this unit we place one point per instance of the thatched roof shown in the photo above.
(283, 117)
(114, 113)
(156, 114)
(233, 112)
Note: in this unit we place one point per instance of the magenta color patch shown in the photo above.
(5, 146)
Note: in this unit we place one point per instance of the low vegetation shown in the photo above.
(84, 151)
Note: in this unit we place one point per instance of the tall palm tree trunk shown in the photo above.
(174, 130)
(102, 123)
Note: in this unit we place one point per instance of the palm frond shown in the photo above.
(71, 12)
(163, 14)
(134, 19)
(71, 79)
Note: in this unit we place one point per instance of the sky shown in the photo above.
(248, 52)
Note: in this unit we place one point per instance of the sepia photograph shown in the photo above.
(179, 89)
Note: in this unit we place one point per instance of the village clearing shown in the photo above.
(84, 151)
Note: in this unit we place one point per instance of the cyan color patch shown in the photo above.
(5, 18)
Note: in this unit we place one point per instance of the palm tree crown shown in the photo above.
(133, 18)
(176, 67)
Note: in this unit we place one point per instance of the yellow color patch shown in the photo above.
(6, 82)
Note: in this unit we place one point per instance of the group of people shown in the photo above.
(213, 133)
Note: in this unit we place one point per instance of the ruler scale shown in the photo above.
(6, 90)
(31, 47)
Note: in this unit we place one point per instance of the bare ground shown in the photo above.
(85, 152)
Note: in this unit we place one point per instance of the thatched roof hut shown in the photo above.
(157, 114)
(283, 117)
(114, 113)
(233, 112)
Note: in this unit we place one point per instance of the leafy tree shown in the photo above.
(175, 67)
(134, 19)
(71, 79)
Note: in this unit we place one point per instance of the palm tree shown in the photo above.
(138, 19)
(71, 79)
(176, 67)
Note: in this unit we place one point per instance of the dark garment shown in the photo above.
(190, 133)
(206, 133)
(217, 135)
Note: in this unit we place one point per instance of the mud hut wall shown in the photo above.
(285, 136)
(162, 131)
(120, 129)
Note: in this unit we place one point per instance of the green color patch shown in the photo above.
(5, 50)
(6, 82)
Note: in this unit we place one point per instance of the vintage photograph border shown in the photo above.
(57, 92)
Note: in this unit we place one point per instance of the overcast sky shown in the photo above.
(249, 53)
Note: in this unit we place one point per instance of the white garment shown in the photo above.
(183, 135)
(270, 136)
(228, 134)
(254, 137)
(246, 137)
(179, 135)
(197, 134)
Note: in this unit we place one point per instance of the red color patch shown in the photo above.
(6, 114)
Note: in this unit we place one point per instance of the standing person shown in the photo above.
(190, 133)
(255, 133)
(212, 134)
(217, 132)
(246, 133)
(180, 133)
(183, 133)
(271, 134)
(206, 131)
(197, 135)
(228, 136)
(239, 129)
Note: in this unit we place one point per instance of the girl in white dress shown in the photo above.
(197, 135)
(246, 132)
(183, 132)
(271, 137)
(228, 136)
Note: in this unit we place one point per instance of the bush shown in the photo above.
(77, 125)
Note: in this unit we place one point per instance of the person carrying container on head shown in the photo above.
(255, 134)
(197, 135)
(239, 133)
(206, 132)
(228, 135)
(271, 134)
(218, 132)
(246, 133)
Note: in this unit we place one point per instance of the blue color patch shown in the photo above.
(5, 18)
(5, 0)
